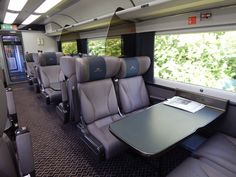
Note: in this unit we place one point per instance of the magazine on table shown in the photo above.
(185, 104)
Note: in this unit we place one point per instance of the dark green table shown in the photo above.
(159, 127)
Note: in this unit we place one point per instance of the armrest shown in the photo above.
(64, 92)
(10, 102)
(11, 107)
(76, 104)
(24, 151)
(93, 144)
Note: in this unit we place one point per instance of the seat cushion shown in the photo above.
(200, 168)
(54, 96)
(220, 149)
(133, 94)
(100, 130)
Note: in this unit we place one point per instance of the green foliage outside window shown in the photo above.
(102, 47)
(207, 59)
(69, 48)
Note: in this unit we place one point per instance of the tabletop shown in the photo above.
(160, 126)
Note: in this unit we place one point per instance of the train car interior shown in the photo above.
(107, 88)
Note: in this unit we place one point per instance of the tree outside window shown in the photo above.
(102, 47)
(69, 48)
(207, 59)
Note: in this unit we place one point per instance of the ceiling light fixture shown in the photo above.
(10, 17)
(30, 19)
(46, 5)
(16, 5)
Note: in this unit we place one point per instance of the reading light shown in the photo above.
(30, 19)
(16, 5)
(46, 5)
(10, 17)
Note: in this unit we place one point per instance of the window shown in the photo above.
(206, 59)
(101, 47)
(69, 48)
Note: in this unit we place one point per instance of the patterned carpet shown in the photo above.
(58, 151)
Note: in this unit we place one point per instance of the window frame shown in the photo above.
(214, 92)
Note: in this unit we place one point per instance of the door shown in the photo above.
(14, 56)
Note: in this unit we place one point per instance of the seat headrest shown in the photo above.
(49, 58)
(134, 66)
(96, 68)
(3, 108)
(31, 57)
(67, 64)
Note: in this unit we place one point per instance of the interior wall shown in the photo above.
(32, 44)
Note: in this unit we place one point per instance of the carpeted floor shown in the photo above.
(58, 151)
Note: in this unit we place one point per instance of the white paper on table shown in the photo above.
(185, 104)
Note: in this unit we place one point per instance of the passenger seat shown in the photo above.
(200, 168)
(215, 158)
(31, 59)
(50, 76)
(220, 149)
(98, 102)
(16, 156)
(131, 88)
(67, 64)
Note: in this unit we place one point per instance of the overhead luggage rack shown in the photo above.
(155, 9)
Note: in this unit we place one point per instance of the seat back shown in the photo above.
(49, 69)
(95, 87)
(132, 91)
(31, 60)
(67, 64)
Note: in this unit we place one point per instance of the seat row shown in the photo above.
(95, 91)
(102, 90)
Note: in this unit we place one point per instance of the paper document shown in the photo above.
(185, 104)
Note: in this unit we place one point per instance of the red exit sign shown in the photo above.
(192, 20)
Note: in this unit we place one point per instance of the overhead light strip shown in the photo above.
(17, 5)
(46, 6)
(10, 17)
(30, 19)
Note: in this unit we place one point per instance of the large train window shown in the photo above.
(205, 59)
(69, 48)
(102, 46)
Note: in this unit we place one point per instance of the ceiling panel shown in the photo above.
(29, 8)
(3, 7)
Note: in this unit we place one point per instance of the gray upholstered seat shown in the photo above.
(132, 90)
(99, 107)
(31, 62)
(220, 149)
(67, 64)
(15, 161)
(200, 168)
(51, 75)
